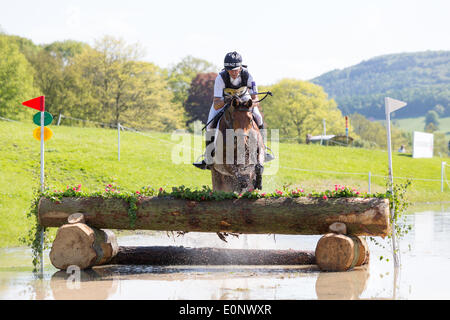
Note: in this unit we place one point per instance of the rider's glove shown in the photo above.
(227, 99)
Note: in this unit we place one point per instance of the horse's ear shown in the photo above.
(249, 103)
(235, 102)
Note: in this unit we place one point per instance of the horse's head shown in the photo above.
(241, 113)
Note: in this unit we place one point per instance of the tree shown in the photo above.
(200, 97)
(432, 117)
(116, 87)
(440, 110)
(51, 74)
(66, 49)
(16, 80)
(430, 127)
(373, 134)
(181, 75)
(298, 108)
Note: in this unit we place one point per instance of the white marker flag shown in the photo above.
(392, 105)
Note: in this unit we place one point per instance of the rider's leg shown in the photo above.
(202, 164)
(258, 117)
(259, 120)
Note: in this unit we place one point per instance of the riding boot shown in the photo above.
(259, 169)
(268, 157)
(203, 164)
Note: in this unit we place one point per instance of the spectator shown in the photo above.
(402, 149)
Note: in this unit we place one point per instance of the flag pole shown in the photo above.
(391, 183)
(42, 178)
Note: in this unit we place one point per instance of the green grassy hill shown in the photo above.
(418, 124)
(422, 79)
(88, 156)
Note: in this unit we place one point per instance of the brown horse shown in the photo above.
(240, 151)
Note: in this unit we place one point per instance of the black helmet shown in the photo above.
(232, 60)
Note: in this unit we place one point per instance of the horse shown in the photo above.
(240, 150)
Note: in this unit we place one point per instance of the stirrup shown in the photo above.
(269, 156)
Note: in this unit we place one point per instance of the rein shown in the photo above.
(227, 105)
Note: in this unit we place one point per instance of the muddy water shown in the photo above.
(425, 258)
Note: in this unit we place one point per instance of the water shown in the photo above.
(425, 258)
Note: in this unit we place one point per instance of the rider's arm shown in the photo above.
(219, 85)
(253, 95)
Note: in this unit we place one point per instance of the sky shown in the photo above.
(277, 39)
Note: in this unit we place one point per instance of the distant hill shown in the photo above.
(422, 79)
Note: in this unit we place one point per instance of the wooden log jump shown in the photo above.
(342, 220)
(363, 217)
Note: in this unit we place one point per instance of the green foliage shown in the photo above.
(26, 46)
(112, 86)
(16, 80)
(33, 238)
(421, 79)
(440, 144)
(66, 50)
(181, 75)
(439, 109)
(433, 118)
(398, 205)
(298, 108)
(372, 134)
(200, 97)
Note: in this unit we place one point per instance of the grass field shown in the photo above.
(88, 156)
(418, 124)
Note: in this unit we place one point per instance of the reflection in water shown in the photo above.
(88, 285)
(425, 263)
(342, 285)
(230, 283)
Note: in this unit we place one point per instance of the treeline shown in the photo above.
(422, 79)
(109, 83)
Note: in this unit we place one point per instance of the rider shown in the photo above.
(234, 76)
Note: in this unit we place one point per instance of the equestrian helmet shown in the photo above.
(233, 60)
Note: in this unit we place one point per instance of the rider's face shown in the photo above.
(234, 73)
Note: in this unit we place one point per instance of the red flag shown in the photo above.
(36, 103)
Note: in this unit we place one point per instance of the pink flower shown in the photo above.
(357, 192)
(250, 190)
(301, 190)
(325, 197)
(263, 194)
(240, 194)
(161, 189)
(203, 198)
(138, 192)
(279, 192)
